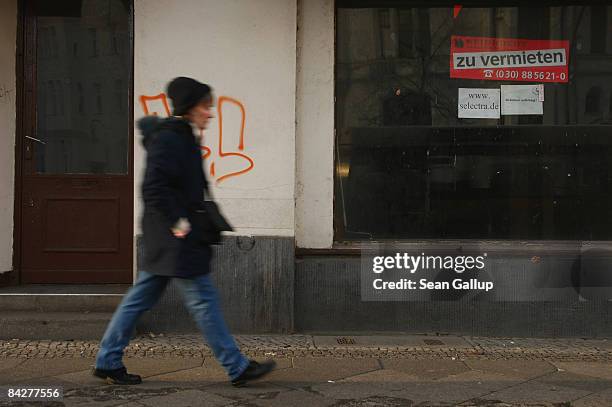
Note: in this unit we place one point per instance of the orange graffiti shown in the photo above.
(223, 99)
(144, 99)
(207, 152)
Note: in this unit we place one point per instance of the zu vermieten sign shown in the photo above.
(509, 59)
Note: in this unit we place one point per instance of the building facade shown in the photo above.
(339, 125)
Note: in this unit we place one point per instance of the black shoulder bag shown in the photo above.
(210, 221)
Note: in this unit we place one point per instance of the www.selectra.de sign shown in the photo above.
(509, 59)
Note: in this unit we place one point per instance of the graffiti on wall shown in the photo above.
(145, 100)
(227, 161)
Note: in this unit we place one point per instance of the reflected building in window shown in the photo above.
(413, 170)
(75, 88)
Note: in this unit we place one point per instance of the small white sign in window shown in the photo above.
(474, 103)
(522, 99)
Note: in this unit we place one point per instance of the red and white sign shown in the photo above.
(509, 59)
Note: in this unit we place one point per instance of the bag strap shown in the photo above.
(207, 192)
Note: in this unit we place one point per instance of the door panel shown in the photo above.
(77, 180)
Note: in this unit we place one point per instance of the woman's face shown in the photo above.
(201, 113)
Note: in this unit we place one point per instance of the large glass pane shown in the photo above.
(82, 87)
(407, 167)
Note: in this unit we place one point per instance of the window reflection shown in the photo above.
(82, 96)
(408, 168)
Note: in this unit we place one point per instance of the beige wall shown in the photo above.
(246, 50)
(8, 34)
(315, 125)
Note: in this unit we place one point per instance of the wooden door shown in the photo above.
(76, 218)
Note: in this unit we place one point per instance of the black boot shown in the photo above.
(254, 371)
(117, 376)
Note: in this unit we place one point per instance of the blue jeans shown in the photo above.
(200, 298)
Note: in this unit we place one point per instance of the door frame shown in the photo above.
(14, 277)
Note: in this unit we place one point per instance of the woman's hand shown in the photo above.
(181, 228)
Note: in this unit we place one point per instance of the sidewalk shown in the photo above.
(407, 370)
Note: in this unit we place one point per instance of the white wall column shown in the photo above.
(8, 86)
(315, 125)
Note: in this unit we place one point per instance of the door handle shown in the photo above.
(35, 139)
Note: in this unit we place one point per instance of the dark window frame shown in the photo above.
(351, 247)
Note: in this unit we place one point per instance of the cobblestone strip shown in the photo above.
(161, 346)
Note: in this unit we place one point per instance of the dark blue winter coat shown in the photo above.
(173, 188)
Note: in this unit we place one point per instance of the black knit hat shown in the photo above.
(185, 93)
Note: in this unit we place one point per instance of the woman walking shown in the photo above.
(174, 242)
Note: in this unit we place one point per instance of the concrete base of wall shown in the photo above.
(254, 276)
(328, 299)
(264, 289)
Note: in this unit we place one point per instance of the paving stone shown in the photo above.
(495, 403)
(270, 341)
(576, 381)
(487, 372)
(292, 398)
(85, 378)
(84, 402)
(390, 341)
(188, 398)
(475, 376)
(106, 395)
(481, 382)
(10, 363)
(306, 371)
(81, 378)
(210, 372)
(542, 343)
(533, 391)
(147, 367)
(213, 364)
(255, 390)
(153, 385)
(594, 369)
(346, 390)
(600, 399)
(37, 368)
(424, 370)
(450, 389)
(31, 404)
(390, 378)
(376, 401)
(521, 369)
(441, 392)
(197, 375)
(192, 345)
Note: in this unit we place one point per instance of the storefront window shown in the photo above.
(473, 122)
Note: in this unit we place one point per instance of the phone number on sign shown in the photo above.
(33, 393)
(529, 75)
